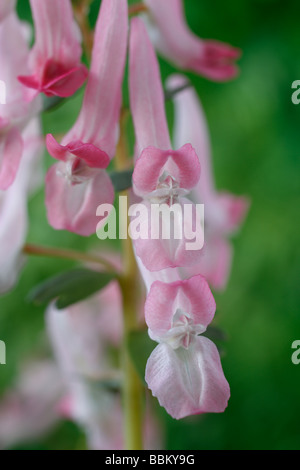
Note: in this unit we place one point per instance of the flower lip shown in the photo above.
(93, 156)
(153, 164)
(56, 80)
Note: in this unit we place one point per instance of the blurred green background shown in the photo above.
(255, 134)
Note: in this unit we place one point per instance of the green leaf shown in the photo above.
(70, 287)
(140, 347)
(121, 180)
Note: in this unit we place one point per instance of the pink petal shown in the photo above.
(73, 207)
(6, 6)
(89, 153)
(191, 126)
(174, 40)
(188, 382)
(214, 263)
(146, 92)
(159, 253)
(193, 296)
(10, 158)
(234, 210)
(55, 57)
(27, 411)
(98, 121)
(216, 62)
(13, 210)
(13, 228)
(64, 84)
(183, 166)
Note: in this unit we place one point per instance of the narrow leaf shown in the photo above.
(70, 287)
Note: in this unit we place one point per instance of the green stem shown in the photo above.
(132, 386)
(133, 393)
(48, 252)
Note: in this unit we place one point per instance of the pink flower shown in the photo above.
(83, 337)
(174, 40)
(15, 111)
(55, 57)
(13, 208)
(184, 371)
(77, 185)
(80, 339)
(161, 175)
(6, 7)
(27, 411)
(224, 213)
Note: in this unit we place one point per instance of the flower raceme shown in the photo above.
(224, 212)
(184, 371)
(173, 39)
(55, 58)
(78, 183)
(161, 175)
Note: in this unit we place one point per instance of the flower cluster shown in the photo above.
(184, 370)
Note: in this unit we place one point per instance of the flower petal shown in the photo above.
(98, 121)
(234, 210)
(191, 126)
(163, 241)
(183, 165)
(146, 92)
(13, 228)
(174, 40)
(6, 6)
(92, 155)
(193, 296)
(55, 56)
(188, 382)
(73, 207)
(12, 149)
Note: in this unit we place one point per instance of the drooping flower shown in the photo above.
(80, 340)
(55, 58)
(83, 337)
(184, 371)
(161, 175)
(28, 410)
(175, 41)
(13, 207)
(224, 212)
(15, 111)
(78, 184)
(6, 7)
